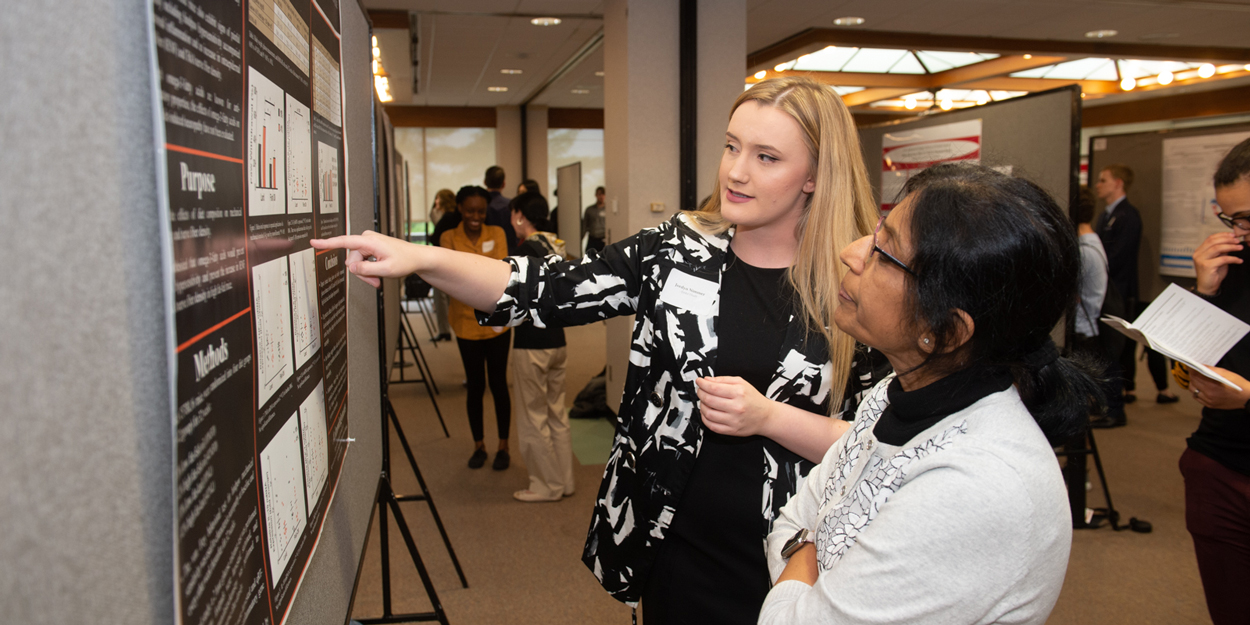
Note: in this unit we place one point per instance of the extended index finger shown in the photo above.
(347, 242)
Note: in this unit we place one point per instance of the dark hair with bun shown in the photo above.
(1002, 250)
(533, 207)
(469, 191)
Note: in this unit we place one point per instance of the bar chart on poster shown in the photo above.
(247, 89)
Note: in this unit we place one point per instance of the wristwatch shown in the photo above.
(796, 542)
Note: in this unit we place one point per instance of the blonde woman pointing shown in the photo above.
(735, 365)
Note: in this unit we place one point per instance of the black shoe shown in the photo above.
(1108, 422)
(477, 459)
(1129, 398)
(502, 460)
(1166, 399)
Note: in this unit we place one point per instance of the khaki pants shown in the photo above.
(542, 421)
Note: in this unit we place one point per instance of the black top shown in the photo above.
(1224, 435)
(527, 336)
(711, 567)
(498, 214)
(448, 221)
(912, 412)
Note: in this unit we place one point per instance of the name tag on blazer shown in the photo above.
(487, 246)
(685, 291)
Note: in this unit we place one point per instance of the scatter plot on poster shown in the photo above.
(282, 478)
(312, 419)
(298, 158)
(271, 297)
(304, 319)
(266, 161)
(328, 178)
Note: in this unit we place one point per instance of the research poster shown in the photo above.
(909, 151)
(251, 149)
(1189, 206)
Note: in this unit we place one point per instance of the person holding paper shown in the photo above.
(1216, 466)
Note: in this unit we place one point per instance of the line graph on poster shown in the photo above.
(272, 299)
(304, 318)
(281, 470)
(298, 157)
(266, 158)
(312, 419)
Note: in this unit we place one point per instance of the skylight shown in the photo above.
(881, 60)
(942, 61)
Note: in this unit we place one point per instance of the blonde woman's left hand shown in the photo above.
(731, 406)
(1213, 394)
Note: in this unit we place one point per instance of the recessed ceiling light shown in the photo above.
(947, 104)
(761, 74)
(1128, 83)
(497, 89)
(780, 67)
(545, 21)
(580, 91)
(849, 21)
(910, 103)
(510, 72)
(599, 73)
(1165, 77)
(1028, 56)
(1101, 34)
(1206, 70)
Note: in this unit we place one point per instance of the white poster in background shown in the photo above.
(909, 151)
(1189, 198)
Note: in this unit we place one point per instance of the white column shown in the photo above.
(641, 114)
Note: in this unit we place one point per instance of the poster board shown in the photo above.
(251, 145)
(1036, 136)
(1189, 191)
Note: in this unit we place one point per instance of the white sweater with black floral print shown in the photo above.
(966, 523)
(669, 278)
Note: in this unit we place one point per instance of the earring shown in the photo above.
(926, 341)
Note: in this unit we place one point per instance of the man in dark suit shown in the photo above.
(497, 211)
(1119, 228)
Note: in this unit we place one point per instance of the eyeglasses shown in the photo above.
(884, 254)
(1235, 222)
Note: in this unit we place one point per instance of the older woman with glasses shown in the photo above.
(944, 502)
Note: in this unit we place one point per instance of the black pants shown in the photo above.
(1156, 362)
(595, 244)
(483, 358)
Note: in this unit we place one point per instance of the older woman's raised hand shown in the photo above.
(372, 256)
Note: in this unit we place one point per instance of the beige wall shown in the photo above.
(535, 148)
(508, 144)
(641, 116)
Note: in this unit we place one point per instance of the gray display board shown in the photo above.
(1143, 153)
(1036, 136)
(85, 469)
(569, 186)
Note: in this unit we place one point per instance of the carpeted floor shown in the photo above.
(523, 561)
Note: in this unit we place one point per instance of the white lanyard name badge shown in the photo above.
(685, 291)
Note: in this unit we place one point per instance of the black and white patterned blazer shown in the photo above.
(669, 276)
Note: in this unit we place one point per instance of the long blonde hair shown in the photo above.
(840, 210)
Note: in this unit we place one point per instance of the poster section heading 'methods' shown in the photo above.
(252, 122)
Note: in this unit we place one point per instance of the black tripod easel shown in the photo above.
(1076, 451)
(388, 500)
(408, 341)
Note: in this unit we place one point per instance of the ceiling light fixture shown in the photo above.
(1101, 34)
(1165, 77)
(580, 91)
(1207, 70)
(849, 21)
(761, 74)
(947, 104)
(910, 102)
(1128, 83)
(545, 21)
(1028, 56)
(599, 73)
(779, 68)
(497, 89)
(510, 72)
